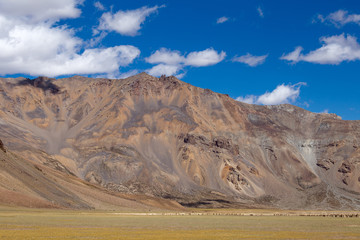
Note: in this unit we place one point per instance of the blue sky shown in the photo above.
(306, 53)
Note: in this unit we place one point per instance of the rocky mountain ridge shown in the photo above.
(168, 139)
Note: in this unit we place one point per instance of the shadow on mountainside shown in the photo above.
(42, 83)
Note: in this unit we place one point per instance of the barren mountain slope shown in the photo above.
(28, 184)
(166, 138)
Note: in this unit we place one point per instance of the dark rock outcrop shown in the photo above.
(2, 148)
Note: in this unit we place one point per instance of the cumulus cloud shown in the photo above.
(251, 60)
(250, 99)
(128, 22)
(31, 44)
(35, 11)
(204, 58)
(334, 50)
(96, 60)
(340, 18)
(281, 94)
(48, 51)
(222, 20)
(164, 69)
(166, 56)
(171, 62)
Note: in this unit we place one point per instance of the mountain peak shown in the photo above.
(166, 138)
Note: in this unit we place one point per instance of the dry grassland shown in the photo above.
(55, 224)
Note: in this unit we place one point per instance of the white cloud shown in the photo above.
(335, 49)
(96, 60)
(31, 44)
(171, 62)
(164, 69)
(35, 11)
(260, 11)
(128, 22)
(294, 56)
(166, 56)
(222, 20)
(250, 99)
(340, 18)
(41, 50)
(99, 6)
(281, 94)
(251, 60)
(24, 42)
(204, 58)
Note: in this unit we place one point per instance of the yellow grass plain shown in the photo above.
(60, 224)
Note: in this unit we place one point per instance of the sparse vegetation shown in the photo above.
(55, 224)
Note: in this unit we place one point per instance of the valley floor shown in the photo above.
(207, 224)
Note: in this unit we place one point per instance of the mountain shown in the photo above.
(166, 139)
(28, 184)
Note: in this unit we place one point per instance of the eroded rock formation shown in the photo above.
(165, 138)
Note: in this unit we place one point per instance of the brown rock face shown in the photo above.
(2, 148)
(165, 138)
(345, 168)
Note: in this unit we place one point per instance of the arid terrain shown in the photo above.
(59, 224)
(145, 143)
